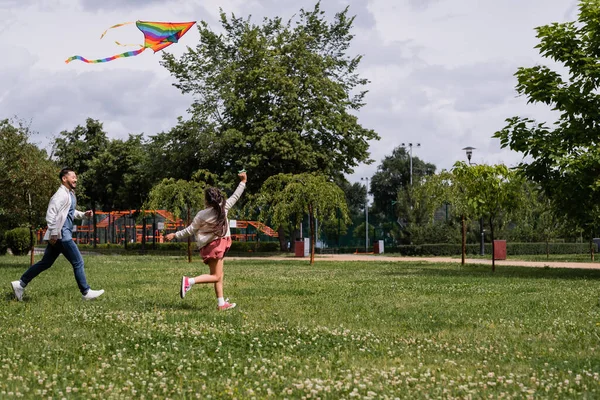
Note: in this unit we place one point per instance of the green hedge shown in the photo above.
(236, 247)
(17, 241)
(257, 247)
(474, 249)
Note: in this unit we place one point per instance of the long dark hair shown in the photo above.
(216, 200)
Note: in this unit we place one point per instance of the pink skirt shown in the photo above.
(215, 249)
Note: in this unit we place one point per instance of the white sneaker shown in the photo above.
(18, 290)
(92, 294)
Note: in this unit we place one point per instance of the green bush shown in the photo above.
(434, 233)
(237, 247)
(169, 246)
(259, 247)
(17, 241)
(444, 249)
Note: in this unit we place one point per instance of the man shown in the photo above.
(60, 216)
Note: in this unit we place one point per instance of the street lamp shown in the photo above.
(366, 215)
(469, 151)
(410, 146)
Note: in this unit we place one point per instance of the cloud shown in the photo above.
(94, 5)
(421, 5)
(286, 9)
(128, 101)
(441, 72)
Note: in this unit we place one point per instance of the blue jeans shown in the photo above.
(71, 253)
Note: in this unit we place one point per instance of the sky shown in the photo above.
(441, 72)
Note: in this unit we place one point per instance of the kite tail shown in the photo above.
(128, 45)
(115, 26)
(103, 60)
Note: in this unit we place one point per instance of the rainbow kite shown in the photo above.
(157, 36)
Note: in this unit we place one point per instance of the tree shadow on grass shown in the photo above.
(7, 265)
(485, 272)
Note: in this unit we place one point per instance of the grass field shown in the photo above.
(331, 331)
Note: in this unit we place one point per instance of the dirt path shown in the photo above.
(499, 263)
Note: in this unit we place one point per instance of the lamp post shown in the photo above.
(366, 215)
(410, 147)
(469, 151)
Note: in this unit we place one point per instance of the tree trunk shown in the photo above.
(31, 244)
(94, 235)
(282, 241)
(592, 247)
(31, 241)
(312, 234)
(144, 234)
(547, 249)
(125, 229)
(493, 246)
(464, 240)
(189, 239)
(154, 232)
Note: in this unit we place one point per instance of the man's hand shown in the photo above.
(170, 237)
(89, 213)
(243, 176)
(53, 239)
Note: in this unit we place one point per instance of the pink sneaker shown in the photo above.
(226, 306)
(185, 286)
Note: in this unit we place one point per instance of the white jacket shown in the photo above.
(204, 222)
(58, 209)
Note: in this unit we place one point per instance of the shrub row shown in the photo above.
(236, 247)
(445, 249)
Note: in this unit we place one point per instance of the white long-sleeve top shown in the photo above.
(57, 212)
(204, 222)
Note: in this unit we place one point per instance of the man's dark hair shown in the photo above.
(64, 172)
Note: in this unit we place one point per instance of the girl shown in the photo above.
(211, 229)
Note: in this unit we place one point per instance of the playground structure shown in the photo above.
(118, 227)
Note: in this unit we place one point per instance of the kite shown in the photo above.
(157, 36)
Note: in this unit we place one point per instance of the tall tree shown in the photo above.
(185, 149)
(28, 180)
(491, 190)
(121, 170)
(565, 155)
(393, 175)
(180, 197)
(284, 196)
(76, 150)
(281, 97)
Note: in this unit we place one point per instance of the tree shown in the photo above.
(185, 149)
(537, 219)
(419, 204)
(284, 196)
(360, 231)
(393, 175)
(490, 191)
(123, 171)
(77, 150)
(565, 155)
(180, 197)
(28, 180)
(280, 97)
